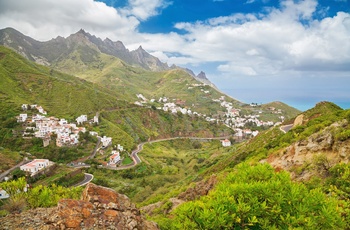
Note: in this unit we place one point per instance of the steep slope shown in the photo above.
(50, 51)
(64, 96)
(125, 72)
(110, 64)
(23, 82)
(315, 152)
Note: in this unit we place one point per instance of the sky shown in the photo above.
(294, 51)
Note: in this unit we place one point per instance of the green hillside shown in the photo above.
(251, 194)
(65, 96)
(298, 179)
(126, 81)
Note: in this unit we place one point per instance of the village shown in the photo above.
(232, 117)
(67, 134)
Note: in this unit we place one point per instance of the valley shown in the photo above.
(186, 155)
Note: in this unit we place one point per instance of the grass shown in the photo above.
(8, 158)
(127, 160)
(59, 172)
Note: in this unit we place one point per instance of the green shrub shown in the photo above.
(15, 204)
(343, 135)
(258, 198)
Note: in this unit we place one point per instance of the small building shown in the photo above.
(95, 120)
(24, 107)
(22, 117)
(106, 141)
(41, 110)
(93, 133)
(35, 165)
(120, 148)
(114, 158)
(81, 119)
(226, 143)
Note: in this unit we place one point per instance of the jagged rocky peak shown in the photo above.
(202, 75)
(82, 31)
(141, 50)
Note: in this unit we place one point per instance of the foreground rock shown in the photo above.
(100, 208)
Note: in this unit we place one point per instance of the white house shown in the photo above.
(22, 117)
(67, 139)
(114, 158)
(93, 133)
(41, 110)
(63, 121)
(255, 133)
(81, 119)
(3, 194)
(140, 96)
(24, 107)
(106, 141)
(226, 143)
(95, 120)
(120, 148)
(35, 165)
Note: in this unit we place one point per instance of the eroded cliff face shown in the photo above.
(99, 208)
(313, 155)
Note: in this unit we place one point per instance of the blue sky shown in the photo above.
(295, 51)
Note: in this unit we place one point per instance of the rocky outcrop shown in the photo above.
(301, 158)
(299, 120)
(200, 189)
(100, 208)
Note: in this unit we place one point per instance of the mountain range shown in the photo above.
(52, 51)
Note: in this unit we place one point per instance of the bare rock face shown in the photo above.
(299, 120)
(201, 189)
(306, 154)
(100, 208)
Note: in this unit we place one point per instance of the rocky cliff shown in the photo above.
(99, 208)
(315, 154)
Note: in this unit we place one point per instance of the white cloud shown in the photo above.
(285, 40)
(45, 19)
(143, 9)
(282, 40)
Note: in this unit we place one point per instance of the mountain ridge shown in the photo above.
(44, 52)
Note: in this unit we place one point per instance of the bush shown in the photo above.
(258, 198)
(15, 204)
(344, 135)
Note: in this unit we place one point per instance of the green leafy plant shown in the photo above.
(255, 197)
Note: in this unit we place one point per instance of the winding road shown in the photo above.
(4, 174)
(136, 159)
(88, 177)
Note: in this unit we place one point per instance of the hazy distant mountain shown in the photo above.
(203, 78)
(56, 49)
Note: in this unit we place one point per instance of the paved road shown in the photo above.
(139, 148)
(88, 177)
(137, 160)
(286, 128)
(96, 148)
(2, 175)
